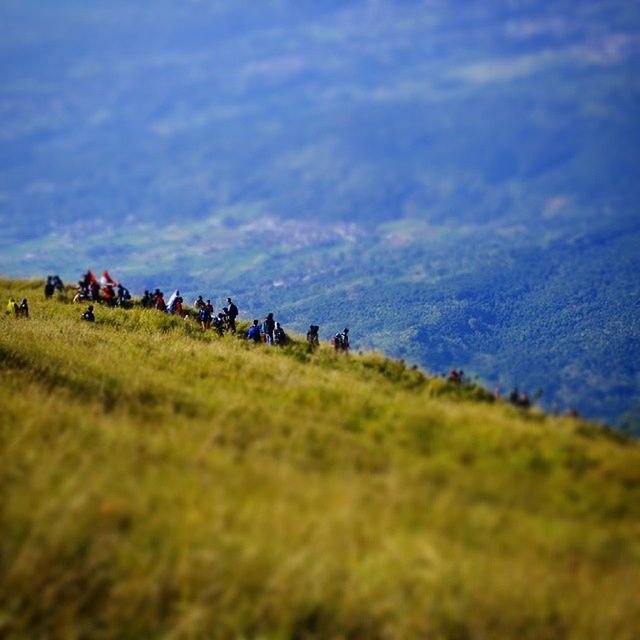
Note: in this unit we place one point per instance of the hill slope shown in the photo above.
(157, 482)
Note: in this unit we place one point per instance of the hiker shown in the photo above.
(160, 303)
(209, 308)
(254, 332)
(82, 293)
(94, 287)
(268, 327)
(109, 295)
(49, 287)
(171, 304)
(523, 401)
(454, 376)
(174, 305)
(345, 340)
(232, 314)
(514, 396)
(279, 336)
(123, 296)
(312, 335)
(88, 314)
(336, 341)
(219, 322)
(88, 278)
(58, 285)
(199, 303)
(12, 308)
(204, 318)
(147, 300)
(23, 310)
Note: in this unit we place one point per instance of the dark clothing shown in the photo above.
(88, 316)
(123, 295)
(268, 327)
(312, 335)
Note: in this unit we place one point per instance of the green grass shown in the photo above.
(160, 483)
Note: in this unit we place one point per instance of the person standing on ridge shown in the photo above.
(204, 317)
(49, 287)
(279, 336)
(312, 335)
(161, 305)
(269, 326)
(123, 295)
(345, 340)
(95, 291)
(232, 314)
(199, 303)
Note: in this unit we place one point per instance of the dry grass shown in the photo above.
(158, 483)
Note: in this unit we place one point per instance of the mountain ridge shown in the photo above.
(162, 482)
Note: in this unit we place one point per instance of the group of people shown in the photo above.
(109, 291)
(156, 300)
(18, 310)
(270, 332)
(53, 284)
(340, 341)
(223, 321)
(520, 399)
(106, 290)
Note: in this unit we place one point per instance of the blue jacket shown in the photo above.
(253, 333)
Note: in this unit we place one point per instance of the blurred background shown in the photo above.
(455, 181)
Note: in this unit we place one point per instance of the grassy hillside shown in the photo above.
(160, 483)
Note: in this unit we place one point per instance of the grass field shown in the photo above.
(156, 482)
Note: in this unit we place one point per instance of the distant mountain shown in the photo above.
(463, 174)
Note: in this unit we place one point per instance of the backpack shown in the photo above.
(336, 341)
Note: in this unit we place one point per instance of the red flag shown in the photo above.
(107, 279)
